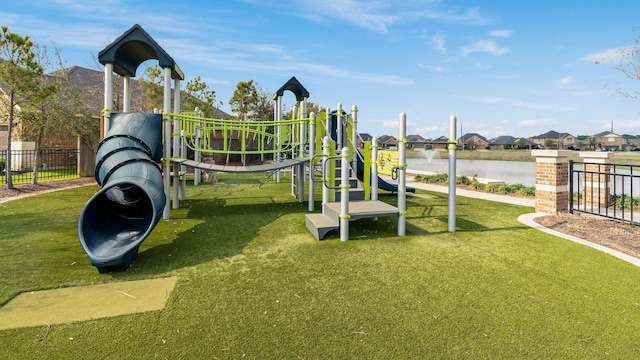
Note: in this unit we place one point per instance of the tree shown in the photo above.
(243, 104)
(244, 99)
(151, 85)
(470, 144)
(40, 110)
(19, 70)
(548, 143)
(523, 144)
(313, 108)
(627, 61)
(263, 109)
(200, 96)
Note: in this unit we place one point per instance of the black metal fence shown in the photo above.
(52, 164)
(605, 190)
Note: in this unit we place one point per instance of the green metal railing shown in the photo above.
(238, 137)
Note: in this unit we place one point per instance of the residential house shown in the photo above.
(90, 83)
(362, 138)
(416, 142)
(510, 142)
(555, 140)
(473, 141)
(609, 141)
(387, 142)
(440, 143)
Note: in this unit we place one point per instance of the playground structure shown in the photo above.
(135, 190)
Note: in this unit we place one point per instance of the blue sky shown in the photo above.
(517, 68)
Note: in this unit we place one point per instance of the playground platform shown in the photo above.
(323, 223)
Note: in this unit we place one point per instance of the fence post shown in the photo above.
(596, 178)
(552, 181)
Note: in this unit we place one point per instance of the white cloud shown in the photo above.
(377, 15)
(501, 33)
(436, 69)
(567, 80)
(438, 41)
(486, 99)
(538, 122)
(613, 56)
(488, 46)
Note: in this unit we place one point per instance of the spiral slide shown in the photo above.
(123, 213)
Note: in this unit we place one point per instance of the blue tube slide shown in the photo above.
(123, 213)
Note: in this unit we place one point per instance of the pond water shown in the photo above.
(512, 172)
(518, 172)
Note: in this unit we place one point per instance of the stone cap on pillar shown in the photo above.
(551, 153)
(601, 157)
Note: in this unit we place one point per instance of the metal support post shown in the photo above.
(453, 146)
(402, 174)
(344, 194)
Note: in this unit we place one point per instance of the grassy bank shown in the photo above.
(254, 283)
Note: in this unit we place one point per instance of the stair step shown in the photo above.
(320, 225)
(362, 209)
(354, 194)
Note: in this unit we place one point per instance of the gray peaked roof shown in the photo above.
(134, 47)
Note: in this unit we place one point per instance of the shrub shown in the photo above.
(3, 164)
(624, 201)
(527, 191)
(477, 186)
(492, 188)
(505, 189)
(463, 180)
(436, 178)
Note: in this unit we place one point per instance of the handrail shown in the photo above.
(324, 171)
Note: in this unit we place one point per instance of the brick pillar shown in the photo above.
(552, 181)
(595, 186)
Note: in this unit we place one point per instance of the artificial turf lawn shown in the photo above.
(254, 283)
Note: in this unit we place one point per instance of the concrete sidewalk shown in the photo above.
(526, 219)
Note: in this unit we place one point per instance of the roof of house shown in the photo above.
(504, 140)
(440, 140)
(366, 136)
(606, 134)
(550, 135)
(468, 136)
(415, 138)
(385, 139)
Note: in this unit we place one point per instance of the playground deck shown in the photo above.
(321, 224)
(363, 209)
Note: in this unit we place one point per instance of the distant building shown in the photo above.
(416, 142)
(555, 140)
(506, 142)
(362, 138)
(473, 141)
(90, 83)
(387, 142)
(609, 141)
(440, 143)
